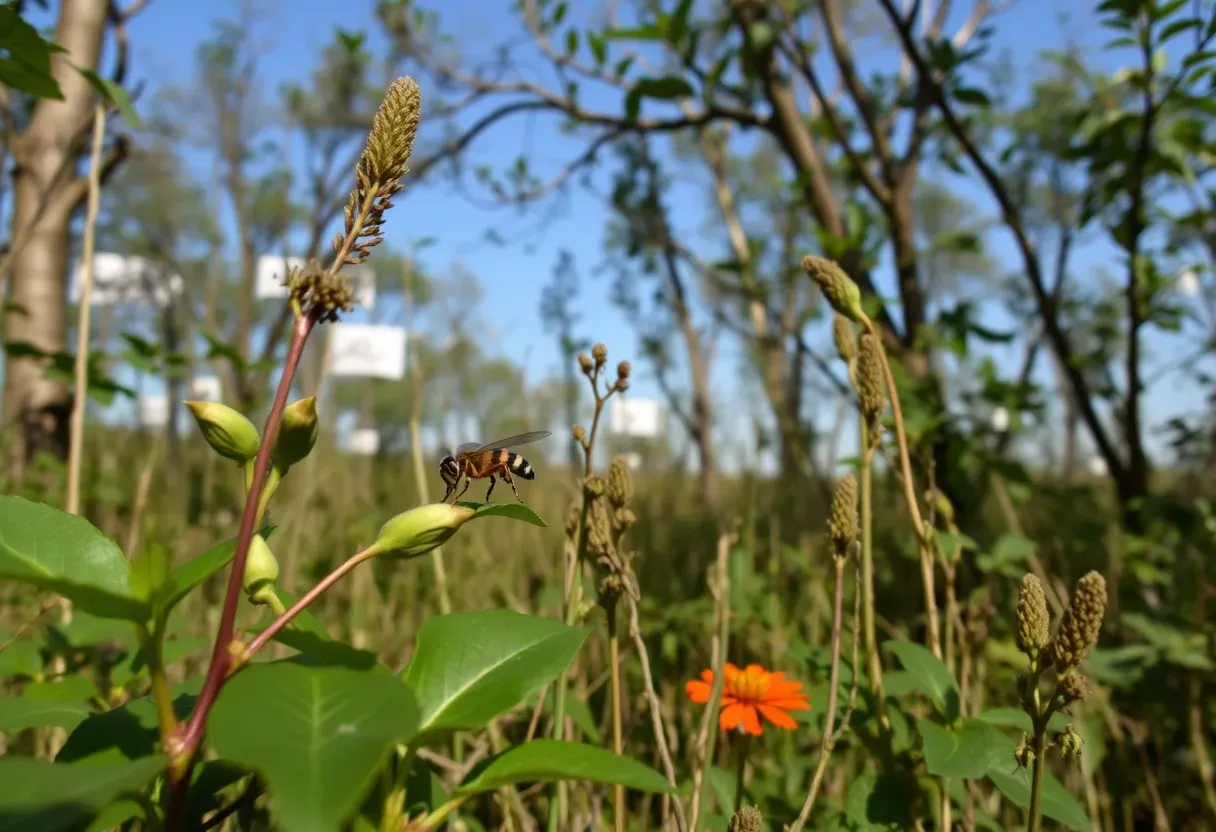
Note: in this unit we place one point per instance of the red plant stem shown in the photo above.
(221, 657)
(308, 597)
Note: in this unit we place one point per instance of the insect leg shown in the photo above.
(488, 493)
(506, 475)
(468, 481)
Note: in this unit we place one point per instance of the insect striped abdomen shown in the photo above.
(519, 466)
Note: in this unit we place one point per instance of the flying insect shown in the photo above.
(474, 462)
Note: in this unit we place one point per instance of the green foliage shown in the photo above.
(546, 760)
(470, 667)
(42, 546)
(317, 734)
(55, 796)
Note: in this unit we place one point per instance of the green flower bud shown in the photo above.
(297, 433)
(1034, 622)
(843, 337)
(261, 568)
(839, 289)
(620, 483)
(1074, 687)
(747, 819)
(1070, 743)
(871, 381)
(227, 431)
(1080, 625)
(419, 530)
(842, 522)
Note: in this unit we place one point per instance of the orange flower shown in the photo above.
(749, 694)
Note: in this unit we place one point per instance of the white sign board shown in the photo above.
(1000, 420)
(363, 442)
(637, 417)
(1188, 283)
(367, 350)
(272, 271)
(206, 389)
(153, 411)
(120, 279)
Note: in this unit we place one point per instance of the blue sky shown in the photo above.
(291, 32)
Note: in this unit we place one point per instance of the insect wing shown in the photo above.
(511, 441)
(467, 448)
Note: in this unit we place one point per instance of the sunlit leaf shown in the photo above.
(547, 760)
(317, 735)
(470, 667)
(51, 796)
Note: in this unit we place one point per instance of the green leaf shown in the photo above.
(318, 735)
(967, 753)
(19, 714)
(64, 553)
(516, 511)
(27, 67)
(547, 760)
(1057, 803)
(668, 88)
(931, 676)
(1008, 555)
(52, 796)
(21, 658)
(126, 733)
(322, 650)
(971, 95)
(470, 667)
(113, 93)
(878, 802)
(149, 572)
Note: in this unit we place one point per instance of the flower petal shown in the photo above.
(731, 716)
(751, 721)
(707, 675)
(790, 703)
(778, 717)
(698, 691)
(730, 671)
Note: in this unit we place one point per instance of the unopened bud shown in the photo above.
(584, 362)
(600, 354)
(620, 483)
(1070, 743)
(261, 568)
(942, 506)
(1080, 624)
(297, 433)
(419, 530)
(871, 389)
(843, 337)
(622, 384)
(593, 486)
(841, 292)
(227, 431)
(1033, 620)
(842, 522)
(579, 433)
(747, 819)
(623, 369)
(1074, 687)
(1024, 754)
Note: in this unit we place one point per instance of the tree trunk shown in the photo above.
(46, 192)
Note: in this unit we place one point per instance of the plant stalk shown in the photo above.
(186, 744)
(829, 721)
(905, 463)
(614, 658)
(81, 375)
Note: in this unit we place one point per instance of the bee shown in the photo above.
(475, 462)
